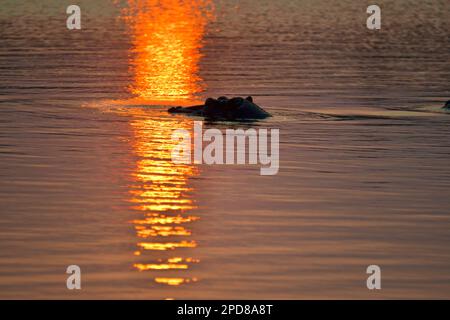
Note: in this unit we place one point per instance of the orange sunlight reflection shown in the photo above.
(160, 195)
(167, 37)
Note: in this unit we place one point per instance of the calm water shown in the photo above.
(87, 178)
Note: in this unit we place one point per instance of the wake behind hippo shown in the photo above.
(225, 109)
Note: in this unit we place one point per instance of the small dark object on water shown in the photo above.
(447, 105)
(225, 109)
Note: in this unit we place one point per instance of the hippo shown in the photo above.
(236, 108)
(447, 105)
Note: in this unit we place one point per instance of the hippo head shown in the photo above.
(216, 108)
(225, 108)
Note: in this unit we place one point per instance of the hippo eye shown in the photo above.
(249, 98)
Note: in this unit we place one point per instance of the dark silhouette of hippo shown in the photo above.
(447, 105)
(225, 109)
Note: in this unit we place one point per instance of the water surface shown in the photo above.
(86, 170)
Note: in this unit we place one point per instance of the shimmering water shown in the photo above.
(85, 149)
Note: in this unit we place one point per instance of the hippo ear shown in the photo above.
(249, 98)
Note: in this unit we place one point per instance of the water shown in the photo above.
(87, 178)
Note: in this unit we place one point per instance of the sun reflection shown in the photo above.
(160, 195)
(174, 281)
(166, 245)
(163, 219)
(167, 37)
(154, 231)
(162, 266)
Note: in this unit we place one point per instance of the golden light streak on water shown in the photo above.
(166, 245)
(154, 231)
(163, 219)
(174, 263)
(167, 38)
(163, 266)
(174, 281)
(162, 194)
